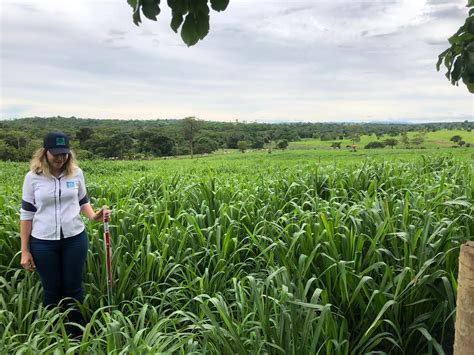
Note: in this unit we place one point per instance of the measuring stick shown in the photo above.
(108, 255)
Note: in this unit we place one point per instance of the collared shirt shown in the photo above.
(54, 204)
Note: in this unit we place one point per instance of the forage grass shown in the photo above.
(247, 258)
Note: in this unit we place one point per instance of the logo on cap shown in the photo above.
(60, 141)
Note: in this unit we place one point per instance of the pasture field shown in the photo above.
(281, 253)
(432, 140)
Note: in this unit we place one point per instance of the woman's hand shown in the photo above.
(99, 215)
(27, 261)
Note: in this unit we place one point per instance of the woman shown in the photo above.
(53, 237)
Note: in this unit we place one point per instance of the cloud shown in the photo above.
(25, 7)
(117, 33)
(304, 60)
(10, 111)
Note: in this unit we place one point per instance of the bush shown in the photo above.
(375, 145)
(283, 144)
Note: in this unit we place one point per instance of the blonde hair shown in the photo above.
(39, 163)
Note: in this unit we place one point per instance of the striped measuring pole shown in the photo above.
(108, 254)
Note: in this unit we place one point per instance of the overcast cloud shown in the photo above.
(266, 61)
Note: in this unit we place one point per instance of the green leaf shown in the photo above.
(469, 61)
(468, 80)
(441, 57)
(189, 32)
(132, 3)
(176, 21)
(197, 6)
(136, 17)
(221, 5)
(470, 3)
(178, 6)
(457, 70)
(202, 27)
(470, 25)
(470, 87)
(151, 9)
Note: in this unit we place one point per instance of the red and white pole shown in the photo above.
(108, 254)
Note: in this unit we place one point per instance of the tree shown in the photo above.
(7, 152)
(456, 139)
(393, 132)
(191, 15)
(17, 139)
(404, 139)
(375, 145)
(391, 142)
(204, 145)
(242, 146)
(108, 145)
(418, 139)
(283, 144)
(459, 58)
(354, 133)
(190, 129)
(258, 143)
(82, 135)
(161, 145)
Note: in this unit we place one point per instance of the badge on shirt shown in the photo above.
(71, 184)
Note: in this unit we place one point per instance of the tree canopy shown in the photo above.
(146, 139)
(192, 16)
(459, 58)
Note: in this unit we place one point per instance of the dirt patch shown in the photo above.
(445, 143)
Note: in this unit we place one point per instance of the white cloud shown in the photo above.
(266, 60)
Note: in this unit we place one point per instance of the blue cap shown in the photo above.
(56, 143)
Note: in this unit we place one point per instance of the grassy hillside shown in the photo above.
(438, 139)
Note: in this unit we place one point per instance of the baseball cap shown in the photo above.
(56, 143)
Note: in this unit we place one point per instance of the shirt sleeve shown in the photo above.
(82, 192)
(28, 208)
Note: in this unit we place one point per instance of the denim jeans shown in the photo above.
(60, 264)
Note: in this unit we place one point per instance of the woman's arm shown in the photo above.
(27, 261)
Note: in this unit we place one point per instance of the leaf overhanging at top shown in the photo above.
(459, 58)
(191, 16)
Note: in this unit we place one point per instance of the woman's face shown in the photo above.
(56, 161)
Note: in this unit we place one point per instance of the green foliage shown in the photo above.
(282, 144)
(190, 126)
(242, 146)
(191, 15)
(243, 257)
(418, 139)
(457, 138)
(204, 145)
(375, 145)
(391, 142)
(157, 138)
(459, 58)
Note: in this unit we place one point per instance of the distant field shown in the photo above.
(436, 139)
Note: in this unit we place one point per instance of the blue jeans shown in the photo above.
(60, 264)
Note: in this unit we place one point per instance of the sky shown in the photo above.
(262, 61)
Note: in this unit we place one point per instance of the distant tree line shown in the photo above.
(140, 139)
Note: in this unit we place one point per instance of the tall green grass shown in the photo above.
(247, 258)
